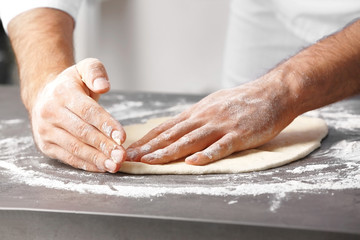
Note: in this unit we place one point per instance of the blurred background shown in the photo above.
(8, 71)
(158, 45)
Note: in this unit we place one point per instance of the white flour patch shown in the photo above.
(345, 149)
(275, 204)
(10, 147)
(338, 117)
(145, 148)
(11, 121)
(117, 188)
(7, 123)
(308, 168)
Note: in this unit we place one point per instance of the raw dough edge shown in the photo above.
(296, 141)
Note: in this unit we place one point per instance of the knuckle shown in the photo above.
(98, 161)
(189, 140)
(87, 111)
(166, 137)
(57, 86)
(95, 67)
(74, 148)
(42, 131)
(71, 160)
(44, 147)
(95, 159)
(103, 146)
(83, 131)
(46, 112)
(94, 63)
(233, 136)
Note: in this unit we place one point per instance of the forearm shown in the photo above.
(325, 72)
(43, 45)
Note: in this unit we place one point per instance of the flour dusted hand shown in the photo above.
(220, 124)
(68, 124)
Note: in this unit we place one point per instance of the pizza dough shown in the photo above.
(296, 141)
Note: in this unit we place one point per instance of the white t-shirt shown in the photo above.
(261, 33)
(11, 8)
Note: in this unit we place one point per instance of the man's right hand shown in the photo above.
(69, 125)
(61, 97)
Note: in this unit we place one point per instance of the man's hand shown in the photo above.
(220, 124)
(68, 124)
(60, 96)
(252, 114)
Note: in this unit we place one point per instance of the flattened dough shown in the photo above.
(296, 141)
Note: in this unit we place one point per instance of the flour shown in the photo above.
(346, 150)
(336, 167)
(116, 188)
(338, 117)
(228, 185)
(11, 121)
(10, 147)
(232, 202)
(4, 123)
(302, 169)
(275, 204)
(145, 148)
(107, 129)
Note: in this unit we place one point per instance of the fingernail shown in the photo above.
(117, 155)
(116, 135)
(110, 165)
(101, 83)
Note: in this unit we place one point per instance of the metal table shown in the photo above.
(317, 197)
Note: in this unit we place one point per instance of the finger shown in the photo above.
(220, 149)
(190, 143)
(83, 151)
(56, 152)
(163, 139)
(156, 131)
(94, 75)
(92, 113)
(91, 136)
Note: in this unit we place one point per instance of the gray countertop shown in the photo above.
(317, 197)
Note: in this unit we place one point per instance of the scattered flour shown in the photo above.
(334, 168)
(307, 168)
(4, 123)
(338, 117)
(232, 202)
(42, 175)
(275, 204)
(11, 121)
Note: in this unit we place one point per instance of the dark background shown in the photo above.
(7, 59)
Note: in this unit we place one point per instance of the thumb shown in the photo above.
(94, 75)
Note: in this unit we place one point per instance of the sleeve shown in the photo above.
(10, 9)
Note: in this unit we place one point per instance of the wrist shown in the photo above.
(279, 88)
(32, 86)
